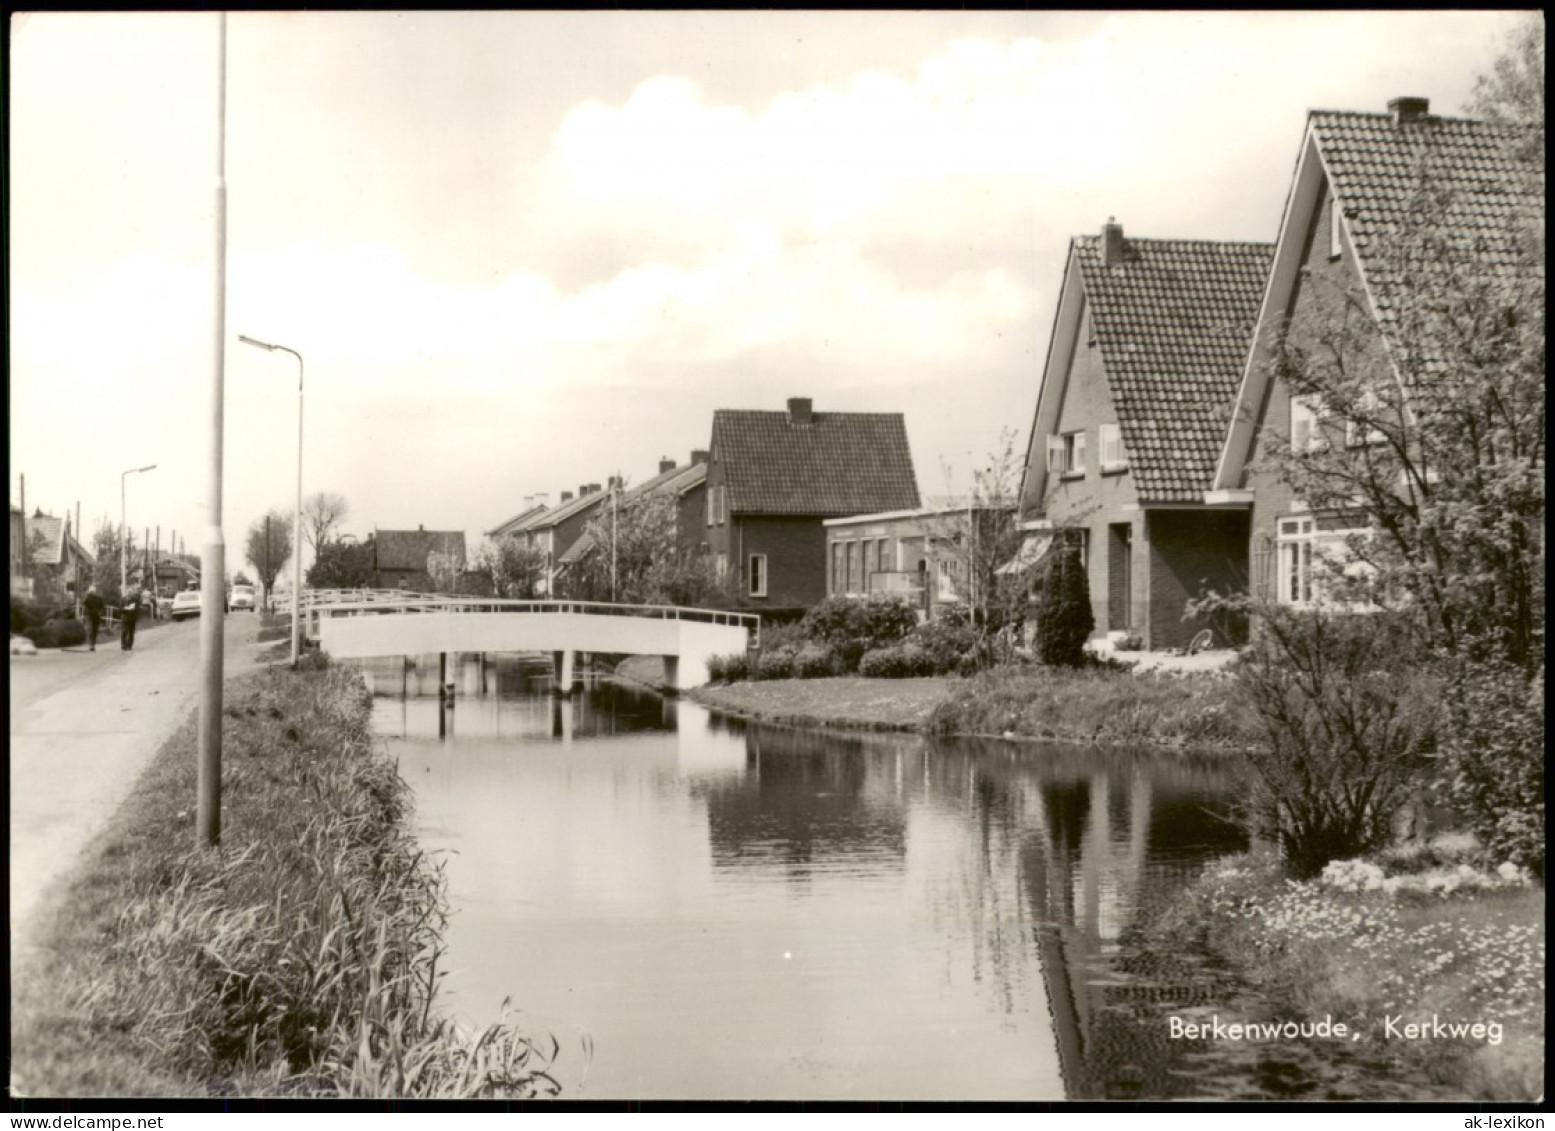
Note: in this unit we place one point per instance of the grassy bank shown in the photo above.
(1099, 706)
(1441, 951)
(299, 957)
(1092, 705)
(848, 701)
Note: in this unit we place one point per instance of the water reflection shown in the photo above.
(748, 911)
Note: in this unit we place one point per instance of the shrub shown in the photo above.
(1345, 727)
(945, 641)
(815, 661)
(853, 626)
(1064, 618)
(57, 634)
(902, 661)
(1493, 747)
(727, 669)
(27, 614)
(776, 664)
(782, 636)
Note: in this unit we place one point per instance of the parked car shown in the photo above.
(242, 598)
(186, 604)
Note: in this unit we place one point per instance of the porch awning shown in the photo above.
(1032, 547)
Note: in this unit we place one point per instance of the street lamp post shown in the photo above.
(124, 569)
(297, 520)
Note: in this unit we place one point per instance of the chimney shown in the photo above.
(585, 489)
(615, 482)
(593, 488)
(666, 464)
(543, 499)
(1112, 243)
(698, 456)
(566, 496)
(799, 410)
(1407, 108)
(420, 529)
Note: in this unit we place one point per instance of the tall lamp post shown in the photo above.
(296, 521)
(124, 569)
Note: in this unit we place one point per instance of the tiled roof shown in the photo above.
(1489, 177)
(840, 463)
(521, 521)
(564, 511)
(677, 480)
(408, 549)
(685, 478)
(1173, 322)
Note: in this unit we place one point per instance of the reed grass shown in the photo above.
(300, 957)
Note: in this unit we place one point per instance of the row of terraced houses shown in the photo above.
(1153, 407)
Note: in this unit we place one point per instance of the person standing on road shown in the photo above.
(93, 604)
(129, 611)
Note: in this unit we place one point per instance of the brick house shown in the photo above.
(400, 556)
(1148, 342)
(773, 478)
(1355, 175)
(557, 530)
(686, 485)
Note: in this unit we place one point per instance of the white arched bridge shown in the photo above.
(361, 623)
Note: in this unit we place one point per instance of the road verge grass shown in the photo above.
(300, 957)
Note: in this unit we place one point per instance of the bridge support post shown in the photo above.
(672, 672)
(564, 672)
(442, 675)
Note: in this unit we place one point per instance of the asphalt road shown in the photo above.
(83, 727)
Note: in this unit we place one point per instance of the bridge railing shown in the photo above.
(319, 604)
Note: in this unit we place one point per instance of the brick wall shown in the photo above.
(796, 559)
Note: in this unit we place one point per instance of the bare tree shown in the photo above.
(322, 514)
(269, 547)
(983, 537)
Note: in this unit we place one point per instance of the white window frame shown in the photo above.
(1109, 440)
(723, 504)
(1066, 452)
(721, 566)
(1306, 424)
(758, 575)
(1300, 548)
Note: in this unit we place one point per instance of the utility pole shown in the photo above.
(212, 598)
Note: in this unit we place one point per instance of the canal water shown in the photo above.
(729, 911)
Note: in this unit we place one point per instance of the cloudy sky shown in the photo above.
(525, 251)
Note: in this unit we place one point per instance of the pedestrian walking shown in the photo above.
(127, 613)
(94, 605)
